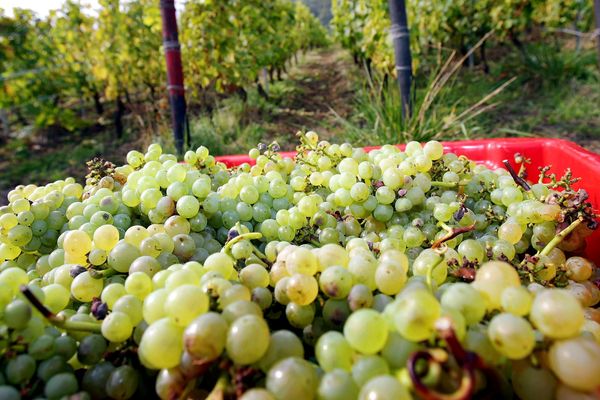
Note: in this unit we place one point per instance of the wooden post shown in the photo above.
(401, 40)
(5, 125)
(174, 71)
(597, 31)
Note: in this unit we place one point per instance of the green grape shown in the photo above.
(19, 235)
(42, 347)
(247, 339)
(240, 308)
(94, 379)
(335, 281)
(363, 269)
(292, 378)
(516, 300)
(337, 385)
(194, 299)
(367, 367)
(333, 351)
(56, 297)
(106, 237)
(221, 263)
(188, 206)
(556, 314)
(301, 261)
(283, 344)
(135, 234)
(510, 231)
(122, 255)
(416, 315)
(299, 316)
(511, 336)
(254, 275)
(77, 242)
(65, 346)
(491, 280)
(145, 264)
(161, 345)
(111, 293)
(138, 284)
(366, 331)
(153, 307)
(63, 384)
(465, 299)
(360, 296)
(531, 383)
(91, 349)
(233, 294)
(575, 362)
(131, 306)
(84, 287)
(117, 327)
(384, 387)
(20, 369)
(397, 350)
(52, 366)
(390, 277)
(257, 394)
(302, 289)
(14, 277)
(17, 314)
(205, 337)
(122, 383)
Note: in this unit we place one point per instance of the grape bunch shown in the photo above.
(336, 274)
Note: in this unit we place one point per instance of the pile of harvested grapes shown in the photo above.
(338, 274)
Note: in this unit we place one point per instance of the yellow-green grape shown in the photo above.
(516, 300)
(465, 299)
(138, 284)
(77, 243)
(56, 297)
(254, 275)
(366, 331)
(185, 303)
(84, 287)
(390, 277)
(117, 327)
(556, 313)
(106, 237)
(511, 335)
(302, 289)
(221, 263)
(131, 306)
(247, 339)
(491, 280)
(576, 362)
(161, 345)
(153, 308)
(301, 261)
(135, 234)
(111, 293)
(415, 315)
(206, 336)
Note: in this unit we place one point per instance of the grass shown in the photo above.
(553, 94)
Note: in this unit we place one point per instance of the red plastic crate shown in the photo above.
(561, 154)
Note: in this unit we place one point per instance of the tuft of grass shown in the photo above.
(435, 114)
(227, 130)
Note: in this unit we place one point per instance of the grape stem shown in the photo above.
(430, 271)
(452, 233)
(94, 273)
(188, 389)
(239, 238)
(518, 180)
(560, 237)
(56, 320)
(448, 184)
(218, 392)
(469, 362)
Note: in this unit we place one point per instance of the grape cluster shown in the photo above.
(339, 274)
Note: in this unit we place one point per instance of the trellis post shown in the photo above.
(401, 40)
(174, 71)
